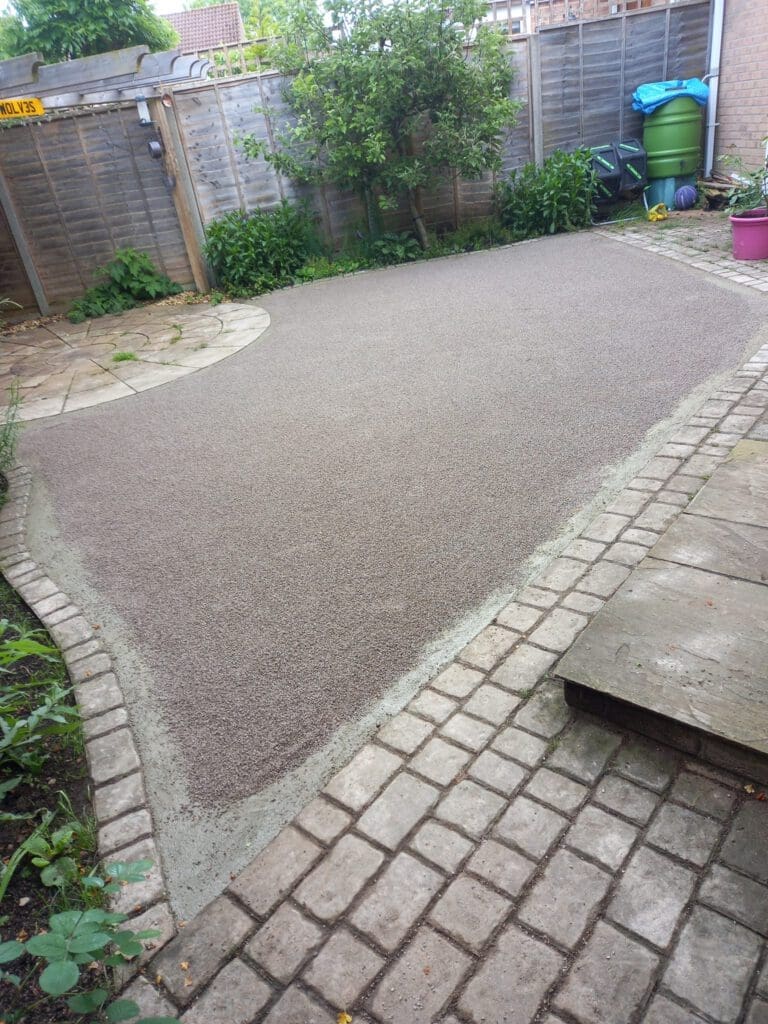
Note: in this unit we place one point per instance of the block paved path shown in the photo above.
(493, 857)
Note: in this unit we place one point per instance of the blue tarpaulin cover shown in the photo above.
(653, 95)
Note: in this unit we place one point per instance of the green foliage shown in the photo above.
(65, 29)
(319, 267)
(6, 303)
(129, 279)
(124, 357)
(388, 101)
(251, 253)
(395, 248)
(9, 429)
(559, 196)
(32, 710)
(76, 939)
(478, 234)
(751, 190)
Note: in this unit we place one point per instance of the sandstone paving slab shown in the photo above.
(709, 938)
(557, 790)
(565, 898)
(296, 1005)
(651, 896)
(233, 998)
(546, 713)
(284, 942)
(738, 492)
(610, 980)
(650, 764)
(684, 833)
(470, 912)
(441, 845)
(470, 807)
(520, 746)
(343, 969)
(683, 643)
(731, 548)
(584, 750)
(502, 867)
(335, 882)
(497, 772)
(664, 1011)
(737, 896)
(531, 827)
(513, 980)
(66, 367)
(392, 815)
(203, 947)
(384, 915)
(745, 847)
(703, 794)
(602, 836)
(275, 871)
(420, 984)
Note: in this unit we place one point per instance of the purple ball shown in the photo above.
(685, 197)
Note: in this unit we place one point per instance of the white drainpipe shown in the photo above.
(713, 78)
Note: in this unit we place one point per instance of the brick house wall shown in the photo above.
(742, 109)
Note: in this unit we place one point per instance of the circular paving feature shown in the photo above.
(62, 367)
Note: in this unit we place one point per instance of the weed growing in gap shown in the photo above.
(124, 357)
(9, 429)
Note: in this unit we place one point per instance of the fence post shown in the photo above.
(183, 193)
(20, 241)
(534, 78)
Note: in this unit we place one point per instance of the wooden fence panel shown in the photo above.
(85, 185)
(13, 280)
(590, 69)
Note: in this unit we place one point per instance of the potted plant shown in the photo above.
(748, 202)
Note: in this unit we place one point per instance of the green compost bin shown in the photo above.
(672, 138)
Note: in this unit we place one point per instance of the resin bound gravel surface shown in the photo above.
(272, 544)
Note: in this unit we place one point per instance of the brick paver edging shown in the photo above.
(485, 856)
(120, 805)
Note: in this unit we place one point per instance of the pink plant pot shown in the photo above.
(750, 234)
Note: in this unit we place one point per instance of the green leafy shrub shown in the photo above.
(750, 190)
(479, 234)
(251, 253)
(319, 267)
(559, 196)
(395, 248)
(128, 279)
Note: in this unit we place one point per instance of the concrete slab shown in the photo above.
(686, 644)
(734, 549)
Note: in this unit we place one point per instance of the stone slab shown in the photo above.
(734, 549)
(738, 491)
(685, 644)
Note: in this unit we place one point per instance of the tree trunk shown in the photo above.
(418, 220)
(372, 213)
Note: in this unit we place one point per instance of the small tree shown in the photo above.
(64, 29)
(389, 96)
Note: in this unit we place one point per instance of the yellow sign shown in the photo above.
(21, 108)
